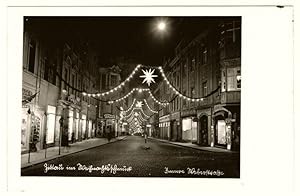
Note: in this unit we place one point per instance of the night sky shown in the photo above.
(134, 38)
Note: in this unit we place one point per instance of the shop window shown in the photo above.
(31, 56)
(51, 110)
(238, 79)
(221, 132)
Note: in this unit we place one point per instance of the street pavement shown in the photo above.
(53, 152)
(135, 158)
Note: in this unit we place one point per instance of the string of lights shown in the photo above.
(130, 106)
(153, 111)
(128, 94)
(144, 113)
(158, 102)
(75, 89)
(138, 115)
(135, 124)
(131, 118)
(141, 118)
(130, 114)
(117, 87)
(176, 91)
(126, 116)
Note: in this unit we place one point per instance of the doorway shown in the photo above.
(203, 136)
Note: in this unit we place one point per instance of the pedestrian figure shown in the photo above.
(145, 135)
(73, 137)
(65, 140)
(108, 136)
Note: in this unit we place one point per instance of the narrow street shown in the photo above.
(141, 160)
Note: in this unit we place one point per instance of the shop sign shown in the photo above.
(175, 116)
(189, 113)
(164, 118)
(109, 116)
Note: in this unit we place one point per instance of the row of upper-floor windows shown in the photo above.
(108, 80)
(49, 71)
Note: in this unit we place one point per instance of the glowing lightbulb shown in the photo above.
(161, 26)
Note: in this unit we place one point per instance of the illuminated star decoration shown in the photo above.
(148, 76)
(139, 104)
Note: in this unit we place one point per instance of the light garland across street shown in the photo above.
(175, 90)
(158, 102)
(140, 90)
(126, 116)
(115, 88)
(128, 94)
(130, 114)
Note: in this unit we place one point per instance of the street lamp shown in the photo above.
(161, 26)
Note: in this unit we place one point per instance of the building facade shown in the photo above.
(109, 113)
(208, 67)
(53, 108)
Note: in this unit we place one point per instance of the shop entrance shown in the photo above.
(220, 131)
(174, 130)
(203, 139)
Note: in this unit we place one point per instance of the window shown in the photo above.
(113, 80)
(233, 78)
(223, 81)
(31, 56)
(46, 73)
(66, 78)
(184, 71)
(103, 82)
(178, 80)
(73, 83)
(193, 64)
(53, 73)
(184, 100)
(204, 88)
(204, 56)
(238, 79)
(193, 92)
(173, 105)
